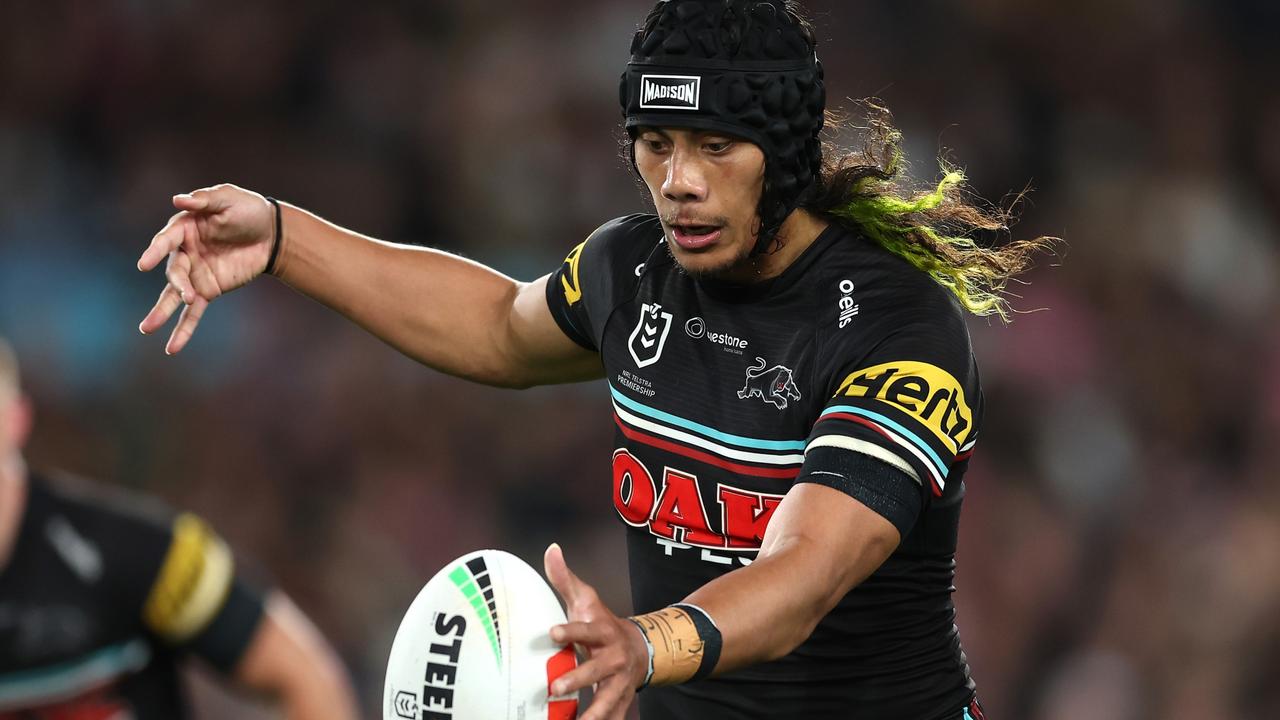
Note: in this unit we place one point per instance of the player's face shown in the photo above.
(706, 187)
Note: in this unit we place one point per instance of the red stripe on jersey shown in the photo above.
(861, 421)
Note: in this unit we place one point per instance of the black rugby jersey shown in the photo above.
(99, 599)
(719, 396)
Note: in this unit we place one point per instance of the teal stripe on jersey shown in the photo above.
(915, 439)
(57, 682)
(703, 429)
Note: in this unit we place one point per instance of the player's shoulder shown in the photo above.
(601, 272)
(100, 508)
(612, 251)
(629, 227)
(115, 536)
(147, 556)
(868, 295)
(628, 237)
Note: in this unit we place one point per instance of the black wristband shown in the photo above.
(710, 635)
(275, 241)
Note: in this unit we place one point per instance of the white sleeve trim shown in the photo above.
(844, 442)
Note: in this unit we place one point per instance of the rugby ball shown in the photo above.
(474, 645)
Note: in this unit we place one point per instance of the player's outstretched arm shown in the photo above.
(819, 544)
(288, 661)
(452, 314)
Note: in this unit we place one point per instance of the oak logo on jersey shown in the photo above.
(670, 92)
(673, 508)
(649, 337)
(569, 279)
(773, 386)
(926, 392)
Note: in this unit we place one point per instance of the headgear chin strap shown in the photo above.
(743, 67)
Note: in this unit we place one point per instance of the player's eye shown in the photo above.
(654, 145)
(718, 147)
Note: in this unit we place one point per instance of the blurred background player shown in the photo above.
(103, 594)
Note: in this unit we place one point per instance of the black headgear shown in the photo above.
(743, 67)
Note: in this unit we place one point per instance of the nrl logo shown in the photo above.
(670, 92)
(650, 335)
(773, 386)
(406, 705)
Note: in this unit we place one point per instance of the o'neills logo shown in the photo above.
(672, 92)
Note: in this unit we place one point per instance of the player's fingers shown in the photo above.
(579, 633)
(207, 200)
(601, 672)
(186, 326)
(163, 243)
(203, 280)
(559, 574)
(610, 700)
(178, 273)
(584, 675)
(190, 202)
(199, 274)
(163, 310)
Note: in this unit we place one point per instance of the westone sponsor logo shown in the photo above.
(697, 329)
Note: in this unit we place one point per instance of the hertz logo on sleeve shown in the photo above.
(569, 281)
(926, 392)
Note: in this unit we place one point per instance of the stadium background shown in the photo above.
(1120, 552)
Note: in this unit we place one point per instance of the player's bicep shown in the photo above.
(540, 344)
(845, 539)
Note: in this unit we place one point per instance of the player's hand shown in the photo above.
(220, 239)
(616, 656)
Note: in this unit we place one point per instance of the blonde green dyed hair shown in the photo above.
(932, 229)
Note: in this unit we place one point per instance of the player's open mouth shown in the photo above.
(694, 237)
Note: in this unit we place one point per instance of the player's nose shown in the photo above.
(684, 181)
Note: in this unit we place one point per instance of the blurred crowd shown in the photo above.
(1120, 549)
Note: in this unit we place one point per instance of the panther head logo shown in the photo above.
(774, 386)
